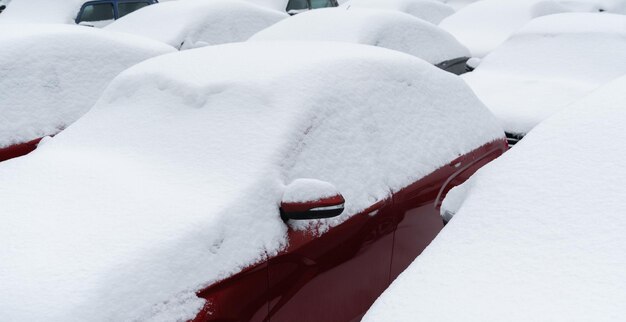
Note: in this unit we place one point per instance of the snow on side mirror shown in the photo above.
(307, 199)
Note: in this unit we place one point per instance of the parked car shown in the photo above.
(298, 6)
(537, 235)
(52, 74)
(103, 12)
(484, 25)
(382, 28)
(197, 23)
(238, 183)
(432, 11)
(547, 65)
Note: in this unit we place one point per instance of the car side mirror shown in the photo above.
(307, 199)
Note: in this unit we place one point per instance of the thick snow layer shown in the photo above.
(41, 11)
(430, 10)
(173, 180)
(484, 25)
(382, 28)
(550, 63)
(197, 23)
(540, 234)
(52, 74)
(305, 190)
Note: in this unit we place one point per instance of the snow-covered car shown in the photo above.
(550, 63)
(177, 192)
(483, 25)
(3, 5)
(538, 234)
(382, 28)
(429, 10)
(299, 6)
(52, 74)
(96, 13)
(197, 23)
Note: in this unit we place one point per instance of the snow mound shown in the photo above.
(548, 64)
(540, 235)
(52, 74)
(382, 28)
(173, 180)
(197, 23)
(429, 10)
(484, 25)
(41, 11)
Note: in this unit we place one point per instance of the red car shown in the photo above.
(259, 181)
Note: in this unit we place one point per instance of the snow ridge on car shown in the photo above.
(173, 180)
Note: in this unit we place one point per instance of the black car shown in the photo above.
(297, 6)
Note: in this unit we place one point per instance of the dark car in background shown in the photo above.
(109, 10)
(297, 6)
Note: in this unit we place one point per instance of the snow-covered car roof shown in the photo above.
(382, 28)
(550, 63)
(196, 23)
(429, 10)
(483, 25)
(172, 181)
(539, 235)
(52, 74)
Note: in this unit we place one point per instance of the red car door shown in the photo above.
(417, 206)
(335, 276)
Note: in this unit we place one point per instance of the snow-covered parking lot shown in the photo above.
(312, 160)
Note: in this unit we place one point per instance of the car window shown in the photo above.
(128, 7)
(297, 5)
(98, 12)
(315, 4)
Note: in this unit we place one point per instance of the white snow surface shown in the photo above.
(197, 23)
(550, 63)
(52, 74)
(540, 235)
(382, 28)
(305, 190)
(484, 25)
(429, 10)
(173, 180)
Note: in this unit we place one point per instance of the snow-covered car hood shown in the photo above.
(382, 28)
(538, 234)
(197, 23)
(52, 74)
(173, 180)
(550, 63)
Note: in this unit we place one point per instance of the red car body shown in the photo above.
(337, 276)
(18, 150)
